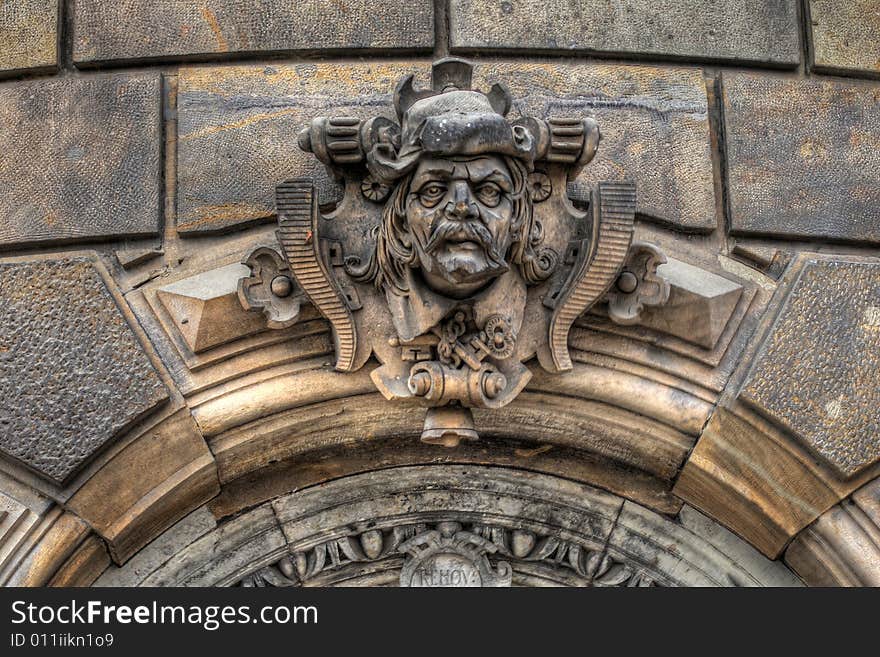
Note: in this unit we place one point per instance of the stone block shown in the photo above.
(819, 370)
(700, 304)
(173, 540)
(642, 536)
(206, 310)
(738, 30)
(160, 476)
(81, 159)
(743, 475)
(84, 566)
(251, 116)
(141, 29)
(769, 573)
(654, 122)
(219, 556)
(840, 549)
(803, 157)
(28, 35)
(846, 36)
(72, 372)
(480, 493)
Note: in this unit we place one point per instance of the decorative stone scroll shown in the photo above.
(455, 255)
(638, 285)
(270, 289)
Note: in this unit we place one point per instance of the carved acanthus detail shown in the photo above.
(596, 566)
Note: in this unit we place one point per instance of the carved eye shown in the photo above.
(489, 194)
(431, 193)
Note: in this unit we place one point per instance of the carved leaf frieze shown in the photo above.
(503, 548)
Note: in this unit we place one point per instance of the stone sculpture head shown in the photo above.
(460, 213)
(461, 217)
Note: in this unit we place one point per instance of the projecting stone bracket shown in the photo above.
(205, 309)
(669, 296)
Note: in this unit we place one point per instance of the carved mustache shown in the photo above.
(459, 231)
(466, 231)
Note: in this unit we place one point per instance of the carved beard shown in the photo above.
(461, 269)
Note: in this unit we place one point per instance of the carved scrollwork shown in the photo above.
(638, 284)
(597, 265)
(270, 288)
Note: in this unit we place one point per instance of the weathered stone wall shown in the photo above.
(141, 144)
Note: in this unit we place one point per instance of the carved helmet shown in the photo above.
(450, 119)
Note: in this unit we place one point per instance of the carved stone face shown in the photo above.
(460, 216)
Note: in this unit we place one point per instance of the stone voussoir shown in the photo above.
(72, 372)
(819, 371)
(143, 30)
(730, 30)
(82, 159)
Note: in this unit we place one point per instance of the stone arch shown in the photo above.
(551, 532)
(621, 427)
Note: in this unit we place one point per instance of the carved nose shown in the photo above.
(462, 210)
(461, 206)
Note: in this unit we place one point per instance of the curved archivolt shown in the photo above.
(543, 530)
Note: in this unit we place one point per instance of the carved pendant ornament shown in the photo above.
(455, 255)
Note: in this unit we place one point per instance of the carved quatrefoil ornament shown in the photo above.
(455, 255)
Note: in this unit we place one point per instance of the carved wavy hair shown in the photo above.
(394, 252)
